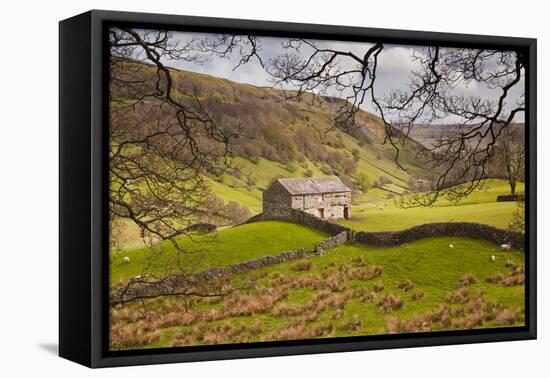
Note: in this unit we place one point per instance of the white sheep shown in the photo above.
(493, 258)
(506, 247)
(126, 259)
(451, 246)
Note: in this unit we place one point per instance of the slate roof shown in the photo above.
(314, 185)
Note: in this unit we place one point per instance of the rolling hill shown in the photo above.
(282, 137)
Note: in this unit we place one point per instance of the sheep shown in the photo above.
(126, 259)
(506, 246)
(381, 208)
(493, 258)
(451, 246)
(362, 210)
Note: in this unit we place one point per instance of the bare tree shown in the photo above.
(313, 69)
(162, 143)
(510, 156)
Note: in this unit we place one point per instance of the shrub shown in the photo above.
(291, 167)
(510, 264)
(236, 213)
(406, 285)
(239, 304)
(352, 325)
(378, 287)
(122, 336)
(495, 278)
(358, 261)
(514, 279)
(296, 331)
(457, 311)
(359, 292)
(390, 302)
(365, 274)
(323, 329)
(368, 297)
(445, 316)
(338, 314)
(467, 280)
(222, 334)
(285, 309)
(326, 169)
(182, 339)
(416, 324)
(506, 317)
(474, 319)
(362, 182)
(417, 296)
(459, 296)
(339, 300)
(519, 269)
(517, 224)
(301, 266)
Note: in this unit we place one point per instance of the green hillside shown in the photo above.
(228, 246)
(281, 138)
(374, 213)
(436, 288)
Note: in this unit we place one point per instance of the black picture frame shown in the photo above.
(83, 232)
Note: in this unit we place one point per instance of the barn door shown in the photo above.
(346, 212)
(321, 213)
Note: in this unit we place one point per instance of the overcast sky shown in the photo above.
(395, 65)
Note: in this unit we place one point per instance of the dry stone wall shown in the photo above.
(391, 238)
(141, 287)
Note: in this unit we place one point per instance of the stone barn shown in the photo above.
(324, 197)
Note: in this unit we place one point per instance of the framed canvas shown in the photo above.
(235, 188)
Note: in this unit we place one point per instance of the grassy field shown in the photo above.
(480, 206)
(352, 290)
(228, 246)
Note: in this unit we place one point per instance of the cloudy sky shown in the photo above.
(395, 65)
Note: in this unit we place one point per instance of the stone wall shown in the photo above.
(302, 217)
(332, 242)
(276, 198)
(511, 198)
(391, 238)
(143, 288)
(459, 229)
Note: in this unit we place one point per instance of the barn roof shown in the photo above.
(314, 185)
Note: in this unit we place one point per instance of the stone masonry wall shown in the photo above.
(142, 288)
(391, 238)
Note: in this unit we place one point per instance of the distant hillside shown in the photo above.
(429, 135)
(286, 138)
